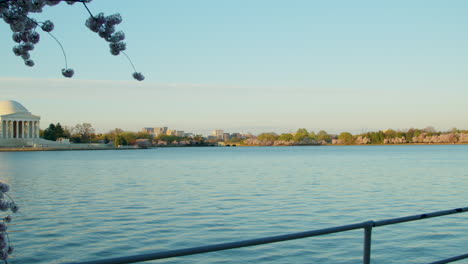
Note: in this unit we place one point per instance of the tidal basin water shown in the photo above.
(85, 205)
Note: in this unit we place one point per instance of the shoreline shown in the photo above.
(31, 149)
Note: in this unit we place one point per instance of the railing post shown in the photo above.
(367, 242)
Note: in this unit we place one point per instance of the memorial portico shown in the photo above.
(16, 122)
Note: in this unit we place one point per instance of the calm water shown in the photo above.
(82, 205)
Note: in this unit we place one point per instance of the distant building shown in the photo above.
(20, 128)
(226, 136)
(16, 122)
(180, 133)
(156, 131)
(149, 130)
(160, 131)
(63, 140)
(236, 135)
(218, 133)
(171, 132)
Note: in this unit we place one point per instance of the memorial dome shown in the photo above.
(12, 107)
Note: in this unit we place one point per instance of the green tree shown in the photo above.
(120, 140)
(400, 134)
(200, 139)
(285, 137)
(390, 133)
(410, 134)
(130, 137)
(270, 136)
(59, 131)
(144, 135)
(168, 138)
(417, 132)
(323, 135)
(312, 135)
(300, 135)
(49, 133)
(53, 132)
(376, 137)
(346, 138)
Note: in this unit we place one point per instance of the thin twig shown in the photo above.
(60, 44)
(88, 9)
(63, 50)
(128, 58)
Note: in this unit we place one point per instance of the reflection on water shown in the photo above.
(81, 205)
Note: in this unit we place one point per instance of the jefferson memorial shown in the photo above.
(20, 129)
(17, 122)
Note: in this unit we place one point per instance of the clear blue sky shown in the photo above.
(263, 65)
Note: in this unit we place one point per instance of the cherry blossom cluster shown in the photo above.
(16, 13)
(104, 26)
(6, 203)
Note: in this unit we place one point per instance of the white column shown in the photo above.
(17, 129)
(22, 128)
(36, 129)
(1, 129)
(10, 129)
(30, 126)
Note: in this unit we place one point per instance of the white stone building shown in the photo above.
(20, 129)
(16, 122)
(218, 133)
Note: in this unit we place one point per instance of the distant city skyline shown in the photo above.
(252, 66)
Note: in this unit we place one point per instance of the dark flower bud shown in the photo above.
(68, 72)
(29, 63)
(47, 26)
(138, 76)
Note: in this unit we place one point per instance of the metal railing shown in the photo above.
(367, 226)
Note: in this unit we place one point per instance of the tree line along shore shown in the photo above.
(85, 133)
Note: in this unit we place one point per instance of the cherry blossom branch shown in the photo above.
(6, 247)
(15, 13)
(137, 75)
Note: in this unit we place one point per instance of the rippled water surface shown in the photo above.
(84, 205)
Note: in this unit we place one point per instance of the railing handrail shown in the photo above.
(367, 226)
